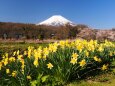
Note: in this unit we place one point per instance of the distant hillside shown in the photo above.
(31, 31)
(108, 34)
(101, 35)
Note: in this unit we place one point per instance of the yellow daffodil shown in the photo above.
(3, 56)
(75, 55)
(29, 77)
(49, 65)
(97, 59)
(25, 52)
(82, 63)
(18, 52)
(87, 53)
(7, 71)
(67, 43)
(36, 54)
(104, 67)
(100, 49)
(20, 57)
(79, 47)
(45, 52)
(52, 48)
(62, 44)
(23, 64)
(73, 60)
(36, 62)
(12, 59)
(14, 53)
(14, 73)
(5, 61)
(110, 53)
(29, 53)
(6, 55)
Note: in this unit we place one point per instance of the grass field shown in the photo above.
(104, 79)
(10, 47)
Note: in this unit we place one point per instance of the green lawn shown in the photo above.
(10, 47)
(107, 79)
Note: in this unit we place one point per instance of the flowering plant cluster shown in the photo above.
(56, 64)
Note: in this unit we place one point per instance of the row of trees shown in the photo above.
(32, 31)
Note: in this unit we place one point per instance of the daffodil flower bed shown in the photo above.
(57, 64)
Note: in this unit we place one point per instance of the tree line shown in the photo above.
(32, 31)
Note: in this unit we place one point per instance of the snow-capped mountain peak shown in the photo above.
(56, 20)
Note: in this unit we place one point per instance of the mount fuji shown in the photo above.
(56, 20)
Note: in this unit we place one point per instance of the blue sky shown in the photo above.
(98, 14)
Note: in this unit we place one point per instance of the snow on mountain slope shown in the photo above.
(56, 20)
